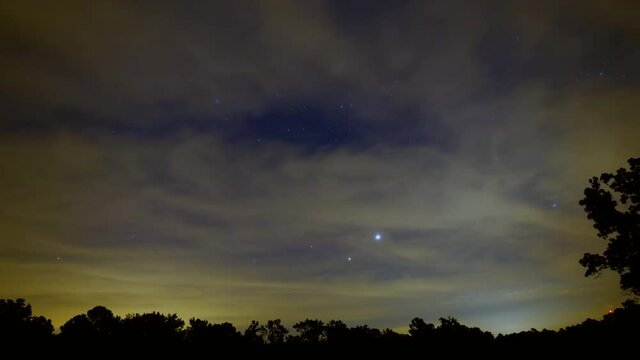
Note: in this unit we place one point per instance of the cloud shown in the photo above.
(271, 228)
(131, 175)
(151, 63)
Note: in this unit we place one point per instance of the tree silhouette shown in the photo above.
(274, 332)
(420, 329)
(201, 333)
(363, 334)
(449, 324)
(154, 335)
(613, 203)
(253, 335)
(311, 331)
(97, 325)
(103, 320)
(153, 327)
(337, 332)
(79, 328)
(18, 325)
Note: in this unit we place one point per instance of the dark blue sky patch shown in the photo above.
(316, 129)
(300, 125)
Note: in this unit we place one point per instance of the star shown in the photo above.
(378, 237)
(349, 258)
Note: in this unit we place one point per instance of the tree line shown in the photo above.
(99, 332)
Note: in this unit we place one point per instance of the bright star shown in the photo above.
(378, 237)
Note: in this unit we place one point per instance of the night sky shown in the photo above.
(369, 161)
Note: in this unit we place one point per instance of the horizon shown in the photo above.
(289, 324)
(364, 161)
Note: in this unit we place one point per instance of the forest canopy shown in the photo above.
(156, 332)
